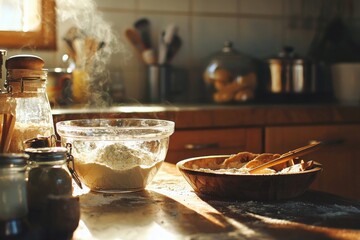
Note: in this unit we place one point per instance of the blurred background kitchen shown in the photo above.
(323, 32)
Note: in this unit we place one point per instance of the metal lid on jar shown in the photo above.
(13, 160)
(47, 154)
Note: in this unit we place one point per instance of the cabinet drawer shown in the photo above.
(193, 143)
(341, 162)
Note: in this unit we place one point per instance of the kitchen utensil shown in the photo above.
(262, 187)
(173, 48)
(166, 38)
(116, 155)
(143, 27)
(69, 38)
(135, 40)
(288, 156)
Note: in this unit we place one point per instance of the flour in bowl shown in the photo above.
(116, 167)
(118, 156)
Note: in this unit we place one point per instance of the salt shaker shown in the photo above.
(26, 81)
(13, 203)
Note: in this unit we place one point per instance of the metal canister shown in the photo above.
(290, 73)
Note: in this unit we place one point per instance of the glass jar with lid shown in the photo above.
(26, 81)
(13, 204)
(230, 76)
(48, 175)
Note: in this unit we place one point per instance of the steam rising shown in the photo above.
(84, 15)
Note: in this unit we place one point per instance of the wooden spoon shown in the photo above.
(291, 154)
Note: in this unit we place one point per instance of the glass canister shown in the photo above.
(230, 76)
(26, 81)
(48, 176)
(13, 204)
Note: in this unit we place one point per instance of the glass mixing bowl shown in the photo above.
(116, 155)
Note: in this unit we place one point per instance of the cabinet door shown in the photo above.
(341, 162)
(192, 143)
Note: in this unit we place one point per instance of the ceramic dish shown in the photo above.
(244, 186)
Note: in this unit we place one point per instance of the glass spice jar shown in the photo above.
(13, 204)
(48, 175)
(26, 81)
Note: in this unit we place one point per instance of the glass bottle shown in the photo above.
(26, 81)
(48, 175)
(13, 204)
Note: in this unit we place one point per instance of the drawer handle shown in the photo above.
(192, 146)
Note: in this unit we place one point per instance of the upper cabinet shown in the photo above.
(28, 24)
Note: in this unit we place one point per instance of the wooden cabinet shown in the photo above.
(341, 162)
(227, 129)
(192, 143)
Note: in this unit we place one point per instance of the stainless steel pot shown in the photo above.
(291, 74)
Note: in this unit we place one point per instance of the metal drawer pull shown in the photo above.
(192, 146)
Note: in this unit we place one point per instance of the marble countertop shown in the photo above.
(170, 209)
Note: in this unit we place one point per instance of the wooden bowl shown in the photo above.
(244, 186)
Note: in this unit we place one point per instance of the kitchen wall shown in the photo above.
(259, 28)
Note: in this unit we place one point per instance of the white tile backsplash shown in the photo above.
(299, 39)
(260, 37)
(266, 7)
(165, 5)
(302, 8)
(209, 35)
(215, 6)
(117, 4)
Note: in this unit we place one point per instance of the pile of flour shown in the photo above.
(116, 168)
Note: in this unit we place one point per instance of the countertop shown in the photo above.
(170, 209)
(221, 115)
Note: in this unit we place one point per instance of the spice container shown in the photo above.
(48, 175)
(26, 81)
(231, 76)
(13, 204)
